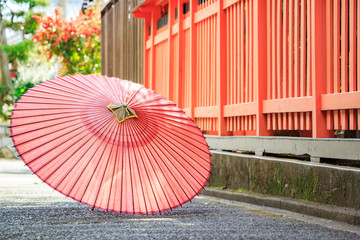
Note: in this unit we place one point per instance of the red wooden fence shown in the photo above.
(252, 67)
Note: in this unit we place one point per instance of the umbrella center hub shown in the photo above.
(122, 111)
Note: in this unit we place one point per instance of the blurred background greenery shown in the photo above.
(42, 39)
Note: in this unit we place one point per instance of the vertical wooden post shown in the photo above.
(193, 79)
(318, 55)
(329, 59)
(147, 23)
(103, 42)
(153, 32)
(221, 68)
(260, 64)
(180, 50)
(170, 49)
(113, 32)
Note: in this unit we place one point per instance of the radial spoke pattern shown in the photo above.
(64, 132)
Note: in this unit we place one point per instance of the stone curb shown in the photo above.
(350, 216)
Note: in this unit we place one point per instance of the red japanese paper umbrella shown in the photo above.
(110, 143)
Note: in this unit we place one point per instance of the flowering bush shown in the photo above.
(76, 43)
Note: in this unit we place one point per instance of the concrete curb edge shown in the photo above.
(350, 216)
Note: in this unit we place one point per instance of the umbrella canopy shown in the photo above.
(110, 143)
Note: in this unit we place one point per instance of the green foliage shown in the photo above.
(17, 19)
(75, 43)
(19, 51)
(30, 23)
(21, 89)
(33, 3)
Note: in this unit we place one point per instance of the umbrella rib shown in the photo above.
(108, 87)
(171, 118)
(158, 181)
(32, 139)
(55, 93)
(63, 96)
(116, 162)
(204, 144)
(119, 88)
(79, 159)
(137, 166)
(164, 132)
(87, 85)
(147, 174)
(164, 174)
(41, 115)
(127, 91)
(131, 180)
(160, 170)
(76, 92)
(122, 172)
(46, 120)
(107, 164)
(59, 99)
(176, 168)
(182, 164)
(158, 105)
(36, 109)
(92, 83)
(97, 164)
(55, 148)
(190, 133)
(178, 125)
(137, 103)
(55, 103)
(182, 156)
(59, 165)
(111, 86)
(134, 94)
(174, 119)
(17, 134)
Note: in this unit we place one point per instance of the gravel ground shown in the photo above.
(32, 210)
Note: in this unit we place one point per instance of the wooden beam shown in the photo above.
(318, 55)
(340, 101)
(286, 105)
(221, 68)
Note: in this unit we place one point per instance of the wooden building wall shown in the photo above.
(122, 41)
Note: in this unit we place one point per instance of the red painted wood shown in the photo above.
(330, 61)
(221, 68)
(193, 38)
(273, 54)
(352, 60)
(318, 17)
(336, 67)
(260, 61)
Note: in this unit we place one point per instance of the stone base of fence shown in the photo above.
(309, 181)
(317, 148)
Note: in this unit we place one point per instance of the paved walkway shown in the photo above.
(31, 210)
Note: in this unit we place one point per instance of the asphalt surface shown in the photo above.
(32, 210)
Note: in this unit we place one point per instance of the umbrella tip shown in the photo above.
(92, 208)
